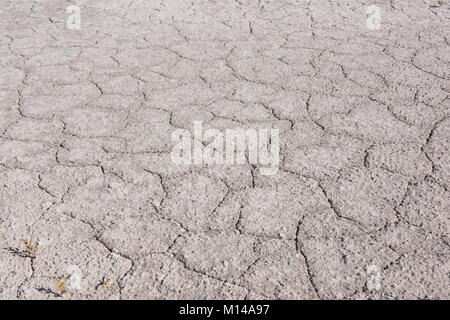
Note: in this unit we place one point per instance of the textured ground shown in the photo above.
(359, 208)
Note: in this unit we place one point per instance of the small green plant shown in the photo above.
(440, 3)
(61, 285)
(104, 282)
(30, 248)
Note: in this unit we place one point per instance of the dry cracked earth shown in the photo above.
(359, 208)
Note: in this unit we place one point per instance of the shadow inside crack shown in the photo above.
(49, 292)
(18, 253)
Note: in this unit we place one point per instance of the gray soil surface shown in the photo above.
(89, 194)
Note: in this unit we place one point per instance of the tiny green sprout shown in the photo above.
(104, 282)
(61, 285)
(30, 248)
